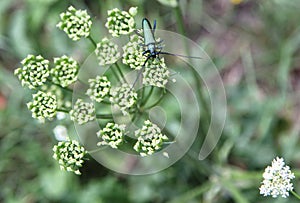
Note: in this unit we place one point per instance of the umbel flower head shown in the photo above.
(133, 53)
(277, 179)
(107, 52)
(34, 72)
(75, 23)
(112, 135)
(82, 112)
(61, 100)
(99, 88)
(65, 71)
(120, 22)
(69, 155)
(156, 73)
(43, 105)
(123, 97)
(150, 139)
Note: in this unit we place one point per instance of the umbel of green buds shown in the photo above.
(120, 22)
(75, 23)
(98, 88)
(43, 105)
(150, 139)
(65, 71)
(156, 73)
(123, 97)
(107, 52)
(69, 155)
(82, 112)
(112, 135)
(133, 53)
(34, 72)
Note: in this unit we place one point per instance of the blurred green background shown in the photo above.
(255, 46)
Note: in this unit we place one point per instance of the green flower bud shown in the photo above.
(120, 22)
(98, 88)
(75, 23)
(123, 97)
(34, 72)
(107, 52)
(70, 155)
(82, 112)
(112, 135)
(65, 71)
(150, 139)
(43, 105)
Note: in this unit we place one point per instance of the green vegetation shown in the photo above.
(255, 47)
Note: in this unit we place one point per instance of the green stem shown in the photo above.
(179, 20)
(115, 73)
(148, 96)
(93, 41)
(295, 194)
(120, 71)
(201, 97)
(104, 116)
(63, 110)
(192, 194)
(95, 150)
(58, 85)
(157, 102)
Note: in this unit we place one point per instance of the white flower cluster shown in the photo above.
(69, 155)
(98, 88)
(277, 179)
(75, 23)
(107, 52)
(43, 105)
(123, 97)
(82, 112)
(156, 73)
(120, 22)
(112, 135)
(150, 139)
(34, 72)
(133, 53)
(65, 71)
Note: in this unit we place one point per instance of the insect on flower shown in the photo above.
(152, 46)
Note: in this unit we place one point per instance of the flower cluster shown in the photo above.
(98, 88)
(34, 72)
(277, 179)
(69, 155)
(82, 112)
(133, 53)
(43, 105)
(65, 71)
(120, 22)
(75, 23)
(156, 73)
(61, 100)
(107, 52)
(123, 97)
(150, 139)
(112, 135)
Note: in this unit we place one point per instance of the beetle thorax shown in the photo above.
(152, 48)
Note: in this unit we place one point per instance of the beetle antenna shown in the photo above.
(167, 53)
